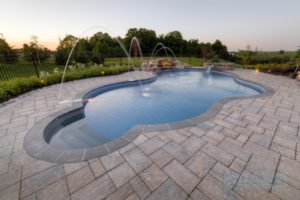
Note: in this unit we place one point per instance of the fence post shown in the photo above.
(34, 65)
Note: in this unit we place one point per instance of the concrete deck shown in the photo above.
(249, 150)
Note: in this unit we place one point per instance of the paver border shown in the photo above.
(35, 140)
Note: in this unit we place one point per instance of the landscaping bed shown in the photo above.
(17, 86)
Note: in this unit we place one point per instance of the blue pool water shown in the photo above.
(174, 96)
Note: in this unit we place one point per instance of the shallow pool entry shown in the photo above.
(174, 96)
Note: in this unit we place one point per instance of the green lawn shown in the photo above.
(137, 61)
(196, 62)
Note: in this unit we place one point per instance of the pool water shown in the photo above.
(174, 96)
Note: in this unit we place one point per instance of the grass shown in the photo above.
(122, 61)
(195, 62)
(25, 69)
(136, 61)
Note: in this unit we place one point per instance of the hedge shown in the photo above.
(275, 68)
(15, 87)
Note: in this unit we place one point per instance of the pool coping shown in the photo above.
(36, 146)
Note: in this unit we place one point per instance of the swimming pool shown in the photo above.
(173, 96)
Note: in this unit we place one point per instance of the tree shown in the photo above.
(193, 48)
(244, 56)
(207, 51)
(174, 40)
(82, 52)
(30, 50)
(147, 39)
(64, 48)
(34, 51)
(103, 45)
(220, 50)
(6, 51)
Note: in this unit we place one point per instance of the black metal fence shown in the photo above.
(20, 67)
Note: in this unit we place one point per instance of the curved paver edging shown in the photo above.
(35, 140)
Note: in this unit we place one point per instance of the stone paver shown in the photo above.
(238, 165)
(216, 190)
(72, 167)
(97, 168)
(121, 174)
(230, 133)
(254, 179)
(10, 178)
(197, 131)
(225, 175)
(287, 179)
(217, 137)
(168, 190)
(285, 191)
(283, 150)
(290, 168)
(39, 181)
(198, 195)
(248, 188)
(182, 176)
(262, 167)
(153, 176)
(229, 146)
(218, 154)
(56, 191)
(98, 189)
(111, 160)
(193, 144)
(11, 192)
(122, 193)
(151, 145)
(161, 157)
(261, 151)
(137, 159)
(140, 187)
(133, 196)
(200, 164)
(175, 136)
(79, 179)
(177, 151)
(249, 150)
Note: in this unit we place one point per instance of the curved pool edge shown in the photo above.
(35, 142)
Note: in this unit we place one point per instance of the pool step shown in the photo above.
(81, 139)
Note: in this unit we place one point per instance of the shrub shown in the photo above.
(275, 68)
(15, 87)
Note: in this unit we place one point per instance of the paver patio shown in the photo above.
(249, 150)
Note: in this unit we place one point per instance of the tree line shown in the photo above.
(31, 51)
(101, 45)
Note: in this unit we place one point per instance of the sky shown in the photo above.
(267, 25)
